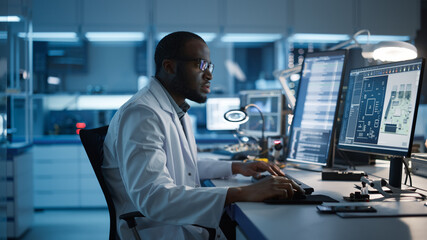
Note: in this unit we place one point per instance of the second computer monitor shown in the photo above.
(312, 132)
(270, 102)
(215, 109)
(381, 107)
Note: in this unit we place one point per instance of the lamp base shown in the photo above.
(264, 148)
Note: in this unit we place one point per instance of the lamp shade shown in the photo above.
(236, 115)
(393, 51)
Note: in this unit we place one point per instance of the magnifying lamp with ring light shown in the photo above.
(240, 116)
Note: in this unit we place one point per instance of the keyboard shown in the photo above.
(308, 189)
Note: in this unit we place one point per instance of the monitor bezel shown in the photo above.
(329, 161)
(386, 152)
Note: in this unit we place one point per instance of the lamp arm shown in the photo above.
(262, 118)
(338, 46)
(282, 75)
(353, 38)
(360, 32)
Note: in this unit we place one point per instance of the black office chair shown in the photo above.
(93, 143)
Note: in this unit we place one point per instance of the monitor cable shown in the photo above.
(407, 172)
(345, 157)
(341, 153)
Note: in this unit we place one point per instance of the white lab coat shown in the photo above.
(150, 166)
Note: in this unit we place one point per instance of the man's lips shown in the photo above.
(206, 87)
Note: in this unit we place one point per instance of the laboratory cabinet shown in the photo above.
(190, 15)
(93, 15)
(19, 189)
(381, 17)
(326, 16)
(15, 121)
(63, 178)
(58, 15)
(389, 17)
(268, 16)
(128, 15)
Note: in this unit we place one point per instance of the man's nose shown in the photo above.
(207, 75)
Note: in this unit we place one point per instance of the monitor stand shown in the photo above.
(395, 174)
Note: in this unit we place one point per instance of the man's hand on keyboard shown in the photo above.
(269, 187)
(254, 169)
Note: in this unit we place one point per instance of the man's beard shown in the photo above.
(180, 85)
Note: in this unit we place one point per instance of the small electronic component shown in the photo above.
(357, 197)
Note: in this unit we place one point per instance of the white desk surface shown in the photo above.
(264, 221)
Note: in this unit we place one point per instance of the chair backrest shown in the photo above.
(93, 143)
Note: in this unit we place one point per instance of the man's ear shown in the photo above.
(169, 66)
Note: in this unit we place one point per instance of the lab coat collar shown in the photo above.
(187, 137)
(160, 95)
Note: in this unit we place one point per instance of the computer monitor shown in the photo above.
(380, 111)
(270, 103)
(312, 132)
(215, 109)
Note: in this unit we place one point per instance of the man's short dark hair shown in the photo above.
(170, 46)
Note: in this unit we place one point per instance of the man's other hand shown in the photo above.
(255, 168)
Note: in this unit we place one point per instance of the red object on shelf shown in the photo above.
(80, 125)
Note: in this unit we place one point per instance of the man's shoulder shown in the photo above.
(142, 99)
(146, 99)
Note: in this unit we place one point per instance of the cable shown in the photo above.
(343, 155)
(407, 173)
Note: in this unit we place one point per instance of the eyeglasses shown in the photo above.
(203, 64)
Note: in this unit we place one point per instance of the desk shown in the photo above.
(264, 221)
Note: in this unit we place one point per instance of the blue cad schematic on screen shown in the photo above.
(380, 109)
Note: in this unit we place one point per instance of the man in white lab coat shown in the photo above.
(150, 152)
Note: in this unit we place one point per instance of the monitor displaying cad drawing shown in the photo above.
(313, 124)
(271, 104)
(215, 109)
(381, 108)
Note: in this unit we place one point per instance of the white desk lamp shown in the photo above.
(386, 51)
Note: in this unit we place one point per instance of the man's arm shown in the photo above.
(209, 168)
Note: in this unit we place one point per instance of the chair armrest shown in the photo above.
(130, 218)
(211, 231)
